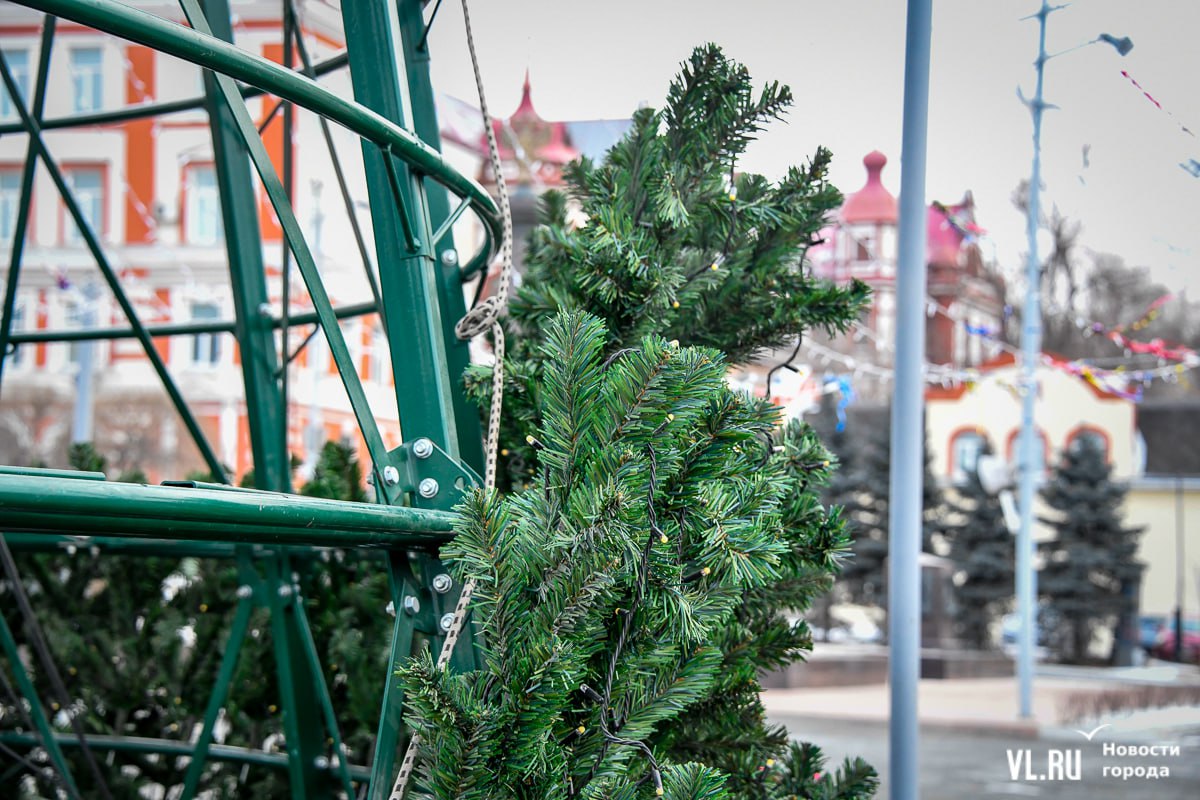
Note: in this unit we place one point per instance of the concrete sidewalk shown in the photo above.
(1062, 696)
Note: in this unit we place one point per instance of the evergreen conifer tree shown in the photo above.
(982, 549)
(1091, 560)
(631, 592)
(865, 573)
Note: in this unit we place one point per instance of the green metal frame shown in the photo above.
(416, 280)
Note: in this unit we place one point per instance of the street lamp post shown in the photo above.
(1031, 345)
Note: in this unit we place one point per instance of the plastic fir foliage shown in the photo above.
(676, 241)
(663, 526)
(662, 535)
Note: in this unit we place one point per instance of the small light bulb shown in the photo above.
(674, 304)
(580, 730)
(715, 266)
(663, 538)
(706, 571)
(770, 762)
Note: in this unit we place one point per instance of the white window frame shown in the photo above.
(87, 80)
(91, 204)
(10, 201)
(961, 469)
(202, 224)
(206, 347)
(18, 64)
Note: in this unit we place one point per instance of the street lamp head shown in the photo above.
(1122, 45)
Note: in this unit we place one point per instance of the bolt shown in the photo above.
(447, 620)
(442, 583)
(264, 310)
(428, 488)
(285, 591)
(449, 257)
(390, 608)
(321, 762)
(422, 448)
(244, 592)
(412, 606)
(391, 475)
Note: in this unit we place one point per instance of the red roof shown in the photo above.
(872, 203)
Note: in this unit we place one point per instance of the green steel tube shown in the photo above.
(21, 223)
(110, 277)
(45, 737)
(245, 516)
(110, 545)
(169, 747)
(147, 110)
(181, 328)
(207, 51)
(203, 744)
(273, 186)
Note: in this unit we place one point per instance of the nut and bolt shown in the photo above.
(264, 310)
(391, 475)
(321, 762)
(449, 257)
(412, 606)
(428, 488)
(447, 620)
(244, 591)
(285, 591)
(390, 608)
(442, 583)
(422, 448)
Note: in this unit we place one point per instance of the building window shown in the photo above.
(965, 449)
(18, 64)
(202, 206)
(1041, 447)
(86, 79)
(1088, 438)
(10, 203)
(78, 315)
(16, 353)
(381, 356)
(206, 347)
(87, 185)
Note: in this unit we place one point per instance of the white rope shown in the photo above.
(482, 317)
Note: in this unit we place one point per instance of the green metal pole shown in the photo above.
(313, 659)
(391, 717)
(347, 368)
(114, 284)
(36, 502)
(233, 646)
(169, 748)
(25, 203)
(248, 282)
(301, 721)
(408, 275)
(40, 721)
(449, 276)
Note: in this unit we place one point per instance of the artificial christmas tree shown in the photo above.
(629, 595)
(1090, 561)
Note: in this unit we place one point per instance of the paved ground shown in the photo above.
(970, 731)
(964, 765)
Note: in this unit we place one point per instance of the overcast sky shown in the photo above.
(844, 60)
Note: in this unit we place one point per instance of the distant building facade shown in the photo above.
(148, 188)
